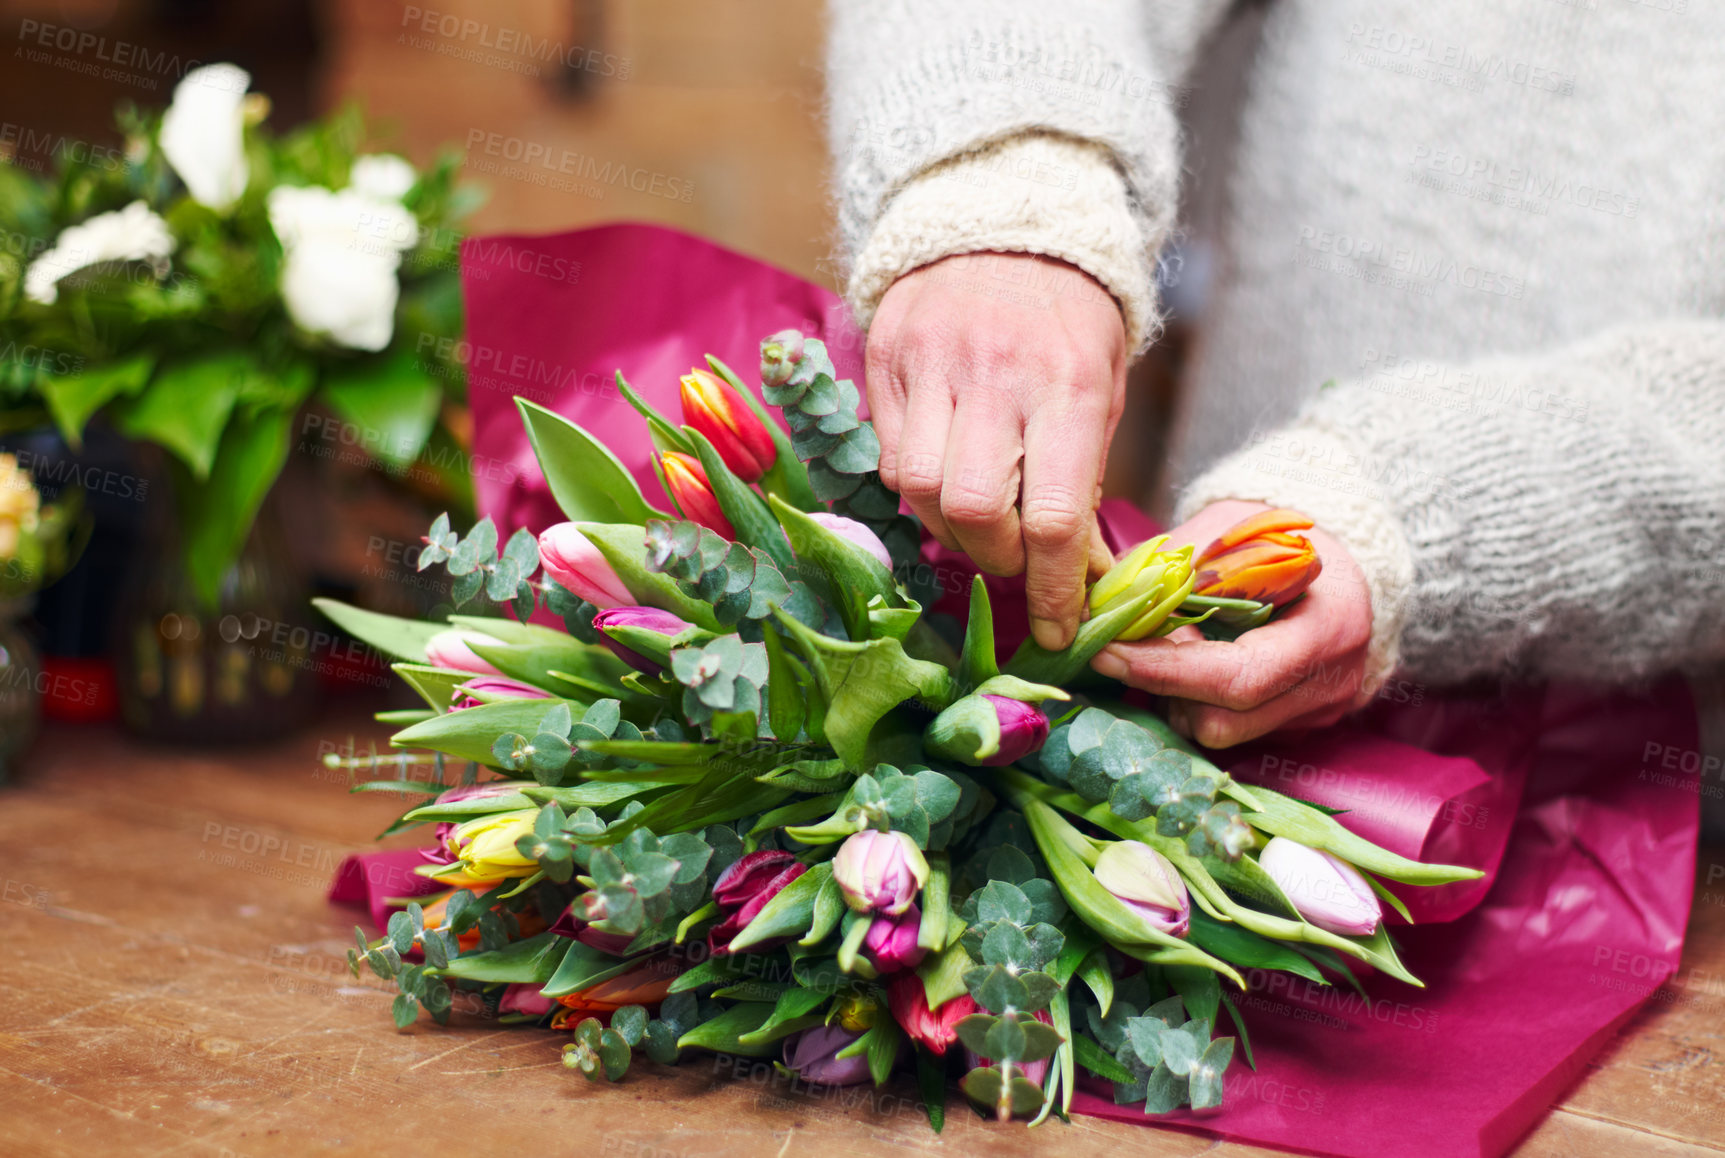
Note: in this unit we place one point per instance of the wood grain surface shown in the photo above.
(177, 985)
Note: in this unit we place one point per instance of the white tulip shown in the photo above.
(203, 133)
(342, 251)
(382, 175)
(130, 234)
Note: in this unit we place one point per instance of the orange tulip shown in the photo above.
(1258, 558)
(688, 484)
(434, 913)
(729, 424)
(647, 985)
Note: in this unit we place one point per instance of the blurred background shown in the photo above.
(714, 109)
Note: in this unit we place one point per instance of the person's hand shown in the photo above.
(1303, 669)
(995, 381)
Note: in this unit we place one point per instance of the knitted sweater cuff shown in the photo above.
(1031, 193)
(1272, 473)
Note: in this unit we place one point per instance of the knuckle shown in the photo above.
(970, 498)
(1054, 516)
(919, 475)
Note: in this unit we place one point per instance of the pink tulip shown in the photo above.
(501, 687)
(879, 872)
(525, 999)
(647, 618)
(449, 649)
(744, 889)
(569, 557)
(1144, 881)
(1326, 890)
(857, 533)
(891, 941)
(1023, 730)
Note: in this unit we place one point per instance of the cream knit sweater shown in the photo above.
(1469, 298)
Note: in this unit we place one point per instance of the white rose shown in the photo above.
(129, 234)
(343, 250)
(203, 133)
(383, 176)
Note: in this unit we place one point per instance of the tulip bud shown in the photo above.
(449, 649)
(1326, 890)
(1165, 575)
(525, 999)
(855, 1012)
(646, 984)
(484, 849)
(1023, 728)
(646, 619)
(1257, 558)
(1144, 881)
(687, 482)
(499, 687)
(857, 533)
(577, 928)
(811, 1055)
(734, 429)
(744, 889)
(570, 558)
(891, 941)
(934, 1029)
(879, 872)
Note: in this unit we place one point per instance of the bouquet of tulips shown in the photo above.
(749, 799)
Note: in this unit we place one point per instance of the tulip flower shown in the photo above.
(573, 927)
(934, 1029)
(780, 354)
(687, 482)
(1023, 728)
(1259, 559)
(891, 941)
(855, 1012)
(857, 533)
(525, 999)
(1035, 1072)
(645, 618)
(484, 849)
(1326, 890)
(744, 889)
(1144, 881)
(728, 422)
(646, 984)
(879, 872)
(449, 649)
(442, 854)
(570, 558)
(810, 1055)
(1167, 575)
(469, 694)
(436, 916)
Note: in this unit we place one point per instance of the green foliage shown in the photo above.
(741, 583)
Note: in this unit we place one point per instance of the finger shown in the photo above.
(1252, 670)
(1062, 466)
(979, 496)
(922, 454)
(1316, 702)
(1101, 558)
(886, 398)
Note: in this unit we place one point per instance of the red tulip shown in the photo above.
(1257, 558)
(688, 484)
(744, 889)
(933, 1028)
(735, 431)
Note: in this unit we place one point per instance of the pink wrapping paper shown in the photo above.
(1528, 972)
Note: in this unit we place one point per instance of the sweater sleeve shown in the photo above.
(966, 125)
(1552, 516)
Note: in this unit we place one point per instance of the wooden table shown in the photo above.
(178, 985)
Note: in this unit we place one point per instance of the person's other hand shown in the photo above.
(1303, 669)
(995, 381)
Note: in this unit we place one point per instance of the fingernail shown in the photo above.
(1110, 665)
(1049, 635)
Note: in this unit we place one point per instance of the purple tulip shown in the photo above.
(810, 1055)
(1144, 881)
(1326, 890)
(449, 649)
(646, 618)
(499, 686)
(570, 558)
(1023, 730)
(857, 533)
(891, 941)
(879, 872)
(744, 889)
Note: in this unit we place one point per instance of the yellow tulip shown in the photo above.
(1147, 568)
(484, 849)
